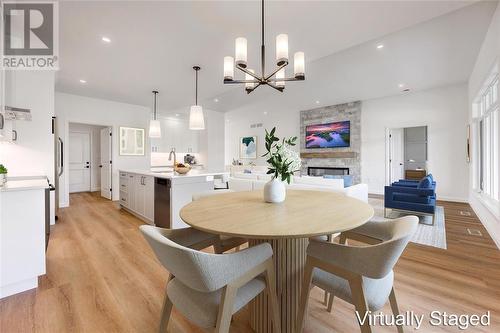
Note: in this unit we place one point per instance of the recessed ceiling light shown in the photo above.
(317, 102)
(265, 112)
(401, 85)
(106, 39)
(177, 115)
(380, 46)
(216, 100)
(83, 81)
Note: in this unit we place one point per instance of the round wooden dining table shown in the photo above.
(287, 226)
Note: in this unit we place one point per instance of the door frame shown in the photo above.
(65, 133)
(388, 147)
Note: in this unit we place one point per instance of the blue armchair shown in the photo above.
(418, 197)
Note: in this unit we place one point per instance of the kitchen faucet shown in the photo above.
(172, 151)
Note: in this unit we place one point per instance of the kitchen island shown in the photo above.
(157, 196)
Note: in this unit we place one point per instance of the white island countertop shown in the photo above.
(24, 184)
(175, 175)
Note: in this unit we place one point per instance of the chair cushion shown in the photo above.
(426, 182)
(202, 308)
(411, 198)
(376, 291)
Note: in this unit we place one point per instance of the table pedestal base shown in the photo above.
(289, 262)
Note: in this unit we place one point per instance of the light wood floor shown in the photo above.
(102, 277)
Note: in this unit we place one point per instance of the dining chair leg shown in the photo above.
(359, 301)
(342, 239)
(395, 308)
(225, 309)
(325, 297)
(272, 295)
(304, 297)
(330, 302)
(165, 313)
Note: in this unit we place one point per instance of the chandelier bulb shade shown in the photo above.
(275, 78)
(196, 118)
(281, 49)
(154, 124)
(240, 51)
(299, 65)
(280, 75)
(228, 68)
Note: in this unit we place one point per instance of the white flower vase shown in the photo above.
(274, 191)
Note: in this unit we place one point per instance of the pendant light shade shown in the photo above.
(154, 124)
(196, 119)
(154, 129)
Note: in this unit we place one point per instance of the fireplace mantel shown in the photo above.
(333, 154)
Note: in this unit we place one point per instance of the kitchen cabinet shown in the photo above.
(176, 134)
(137, 195)
(23, 230)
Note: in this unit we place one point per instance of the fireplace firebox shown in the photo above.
(322, 171)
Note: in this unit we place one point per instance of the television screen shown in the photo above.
(330, 135)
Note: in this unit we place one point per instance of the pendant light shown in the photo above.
(154, 124)
(196, 119)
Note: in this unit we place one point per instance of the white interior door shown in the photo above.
(79, 162)
(106, 166)
(396, 157)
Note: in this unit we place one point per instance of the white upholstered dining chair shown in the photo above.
(360, 275)
(209, 288)
(224, 243)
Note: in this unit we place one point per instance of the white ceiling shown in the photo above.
(155, 44)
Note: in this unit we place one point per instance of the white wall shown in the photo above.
(444, 111)
(33, 154)
(212, 140)
(95, 151)
(78, 109)
(487, 60)
(286, 118)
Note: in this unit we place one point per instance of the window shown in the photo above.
(486, 122)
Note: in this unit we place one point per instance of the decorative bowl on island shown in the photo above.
(182, 168)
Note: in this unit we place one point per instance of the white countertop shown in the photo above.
(24, 184)
(172, 175)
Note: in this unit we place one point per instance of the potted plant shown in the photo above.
(283, 162)
(3, 174)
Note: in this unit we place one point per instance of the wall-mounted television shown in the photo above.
(330, 135)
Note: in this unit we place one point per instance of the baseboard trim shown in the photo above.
(63, 204)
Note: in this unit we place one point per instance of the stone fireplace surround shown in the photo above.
(328, 114)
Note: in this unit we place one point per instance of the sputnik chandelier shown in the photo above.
(275, 79)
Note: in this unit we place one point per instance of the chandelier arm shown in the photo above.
(249, 73)
(272, 85)
(276, 71)
(285, 79)
(241, 81)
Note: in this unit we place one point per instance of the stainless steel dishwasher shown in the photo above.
(162, 203)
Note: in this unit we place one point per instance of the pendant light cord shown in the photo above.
(196, 89)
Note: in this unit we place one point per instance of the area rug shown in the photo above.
(430, 235)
